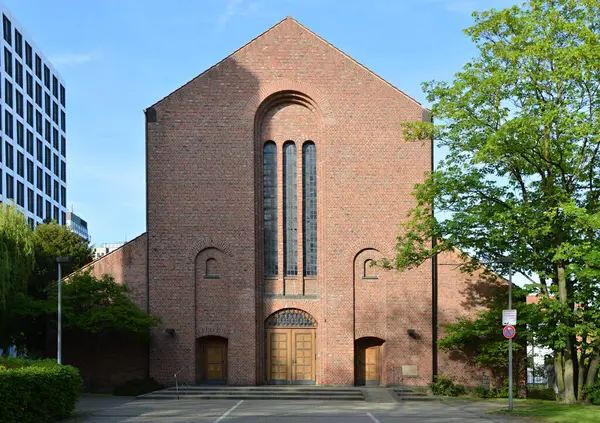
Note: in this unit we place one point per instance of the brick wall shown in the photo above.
(460, 295)
(126, 264)
(107, 360)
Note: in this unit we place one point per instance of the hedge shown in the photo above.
(37, 391)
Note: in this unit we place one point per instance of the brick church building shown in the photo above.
(274, 179)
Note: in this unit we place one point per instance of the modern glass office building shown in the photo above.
(33, 122)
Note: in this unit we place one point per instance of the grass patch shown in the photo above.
(553, 412)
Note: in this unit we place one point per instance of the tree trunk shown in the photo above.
(592, 370)
(580, 379)
(559, 373)
(568, 394)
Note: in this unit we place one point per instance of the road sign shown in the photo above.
(509, 332)
(509, 317)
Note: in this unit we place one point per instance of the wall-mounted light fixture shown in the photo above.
(170, 331)
(413, 333)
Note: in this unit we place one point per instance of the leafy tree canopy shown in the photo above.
(51, 241)
(95, 305)
(522, 176)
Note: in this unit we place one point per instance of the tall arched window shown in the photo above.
(270, 207)
(309, 201)
(290, 210)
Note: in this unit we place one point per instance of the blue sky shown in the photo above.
(120, 56)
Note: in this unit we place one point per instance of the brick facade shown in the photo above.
(126, 264)
(205, 215)
(460, 295)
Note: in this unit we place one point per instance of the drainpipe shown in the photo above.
(150, 116)
(434, 286)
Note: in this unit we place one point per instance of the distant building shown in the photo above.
(32, 116)
(77, 225)
(106, 248)
(539, 366)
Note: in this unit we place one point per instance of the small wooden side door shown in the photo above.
(372, 365)
(214, 362)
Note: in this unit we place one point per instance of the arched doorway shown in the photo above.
(367, 361)
(211, 360)
(291, 358)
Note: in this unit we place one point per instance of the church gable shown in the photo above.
(290, 53)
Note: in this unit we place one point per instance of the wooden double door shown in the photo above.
(291, 356)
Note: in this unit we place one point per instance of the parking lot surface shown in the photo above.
(117, 410)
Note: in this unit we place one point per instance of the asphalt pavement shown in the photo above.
(106, 409)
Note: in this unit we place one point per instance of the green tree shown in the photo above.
(94, 306)
(16, 265)
(52, 240)
(522, 177)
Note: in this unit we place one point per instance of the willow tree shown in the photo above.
(16, 265)
(16, 252)
(520, 123)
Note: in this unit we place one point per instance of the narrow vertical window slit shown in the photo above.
(270, 207)
(290, 210)
(309, 201)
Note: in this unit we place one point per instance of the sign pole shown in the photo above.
(60, 261)
(510, 346)
(59, 335)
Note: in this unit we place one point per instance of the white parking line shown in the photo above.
(230, 410)
(373, 418)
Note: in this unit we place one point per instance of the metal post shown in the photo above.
(59, 340)
(510, 346)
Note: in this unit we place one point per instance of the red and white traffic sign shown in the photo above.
(509, 331)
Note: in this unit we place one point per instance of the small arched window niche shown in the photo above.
(370, 269)
(211, 269)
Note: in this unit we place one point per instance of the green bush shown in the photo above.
(460, 390)
(136, 387)
(481, 392)
(37, 391)
(16, 362)
(503, 392)
(444, 386)
(541, 394)
(593, 393)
